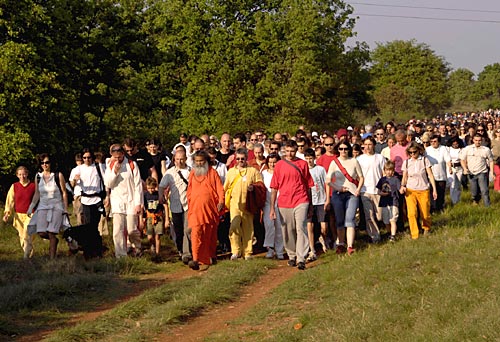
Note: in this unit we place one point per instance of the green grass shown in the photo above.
(442, 288)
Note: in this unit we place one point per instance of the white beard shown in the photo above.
(200, 170)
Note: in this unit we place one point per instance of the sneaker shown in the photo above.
(340, 249)
(292, 263)
(392, 238)
(427, 232)
(186, 259)
(351, 250)
(193, 264)
(323, 244)
(301, 265)
(234, 257)
(270, 253)
(311, 257)
(281, 257)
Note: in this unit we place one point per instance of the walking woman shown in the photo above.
(274, 236)
(417, 176)
(51, 198)
(346, 179)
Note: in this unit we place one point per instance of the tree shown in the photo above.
(415, 70)
(487, 87)
(460, 86)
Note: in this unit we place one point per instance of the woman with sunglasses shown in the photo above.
(52, 200)
(346, 179)
(417, 176)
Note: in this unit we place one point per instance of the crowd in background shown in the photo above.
(377, 177)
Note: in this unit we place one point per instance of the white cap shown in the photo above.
(314, 134)
(349, 128)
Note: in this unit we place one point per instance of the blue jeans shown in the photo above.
(345, 205)
(479, 188)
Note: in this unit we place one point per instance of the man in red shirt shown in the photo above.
(294, 182)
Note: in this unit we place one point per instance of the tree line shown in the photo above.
(88, 73)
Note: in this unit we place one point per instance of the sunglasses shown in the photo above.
(412, 152)
(273, 149)
(300, 146)
(343, 149)
(45, 163)
(328, 144)
(86, 157)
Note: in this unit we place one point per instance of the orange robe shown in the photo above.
(203, 195)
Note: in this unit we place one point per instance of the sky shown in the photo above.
(468, 41)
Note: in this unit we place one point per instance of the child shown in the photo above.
(154, 216)
(318, 194)
(18, 200)
(388, 189)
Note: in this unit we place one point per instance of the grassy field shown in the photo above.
(444, 287)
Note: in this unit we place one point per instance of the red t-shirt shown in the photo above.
(291, 184)
(325, 161)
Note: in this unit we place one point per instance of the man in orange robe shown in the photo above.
(205, 196)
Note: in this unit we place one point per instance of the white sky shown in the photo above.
(463, 44)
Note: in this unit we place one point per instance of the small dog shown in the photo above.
(87, 239)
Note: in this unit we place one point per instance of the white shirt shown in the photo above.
(126, 187)
(373, 169)
(89, 183)
(77, 190)
(318, 192)
(439, 157)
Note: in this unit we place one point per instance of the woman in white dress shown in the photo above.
(51, 203)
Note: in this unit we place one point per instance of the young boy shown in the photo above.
(388, 189)
(318, 194)
(154, 216)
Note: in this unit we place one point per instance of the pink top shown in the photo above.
(398, 155)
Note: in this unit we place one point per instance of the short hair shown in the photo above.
(389, 165)
(309, 153)
(372, 139)
(203, 154)
(78, 157)
(436, 136)
(117, 147)
(258, 145)
(274, 142)
(211, 150)
(88, 150)
(41, 157)
(129, 142)
(242, 137)
(243, 151)
(291, 143)
(22, 168)
(301, 139)
(150, 181)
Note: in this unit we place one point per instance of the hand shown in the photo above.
(434, 195)
(402, 190)
(327, 205)
(6, 216)
(272, 214)
(166, 223)
(220, 207)
(77, 177)
(230, 159)
(357, 193)
(250, 187)
(106, 202)
(138, 210)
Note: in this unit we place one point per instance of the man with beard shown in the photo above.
(205, 196)
(173, 186)
(127, 199)
(239, 181)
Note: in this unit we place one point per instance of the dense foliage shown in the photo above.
(79, 73)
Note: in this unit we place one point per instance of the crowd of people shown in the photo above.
(278, 194)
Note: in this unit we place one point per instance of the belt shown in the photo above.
(456, 164)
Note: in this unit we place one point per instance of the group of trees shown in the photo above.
(79, 73)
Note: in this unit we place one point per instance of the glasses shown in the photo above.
(426, 142)
(273, 149)
(240, 158)
(45, 163)
(328, 144)
(343, 149)
(412, 152)
(299, 146)
(253, 139)
(86, 158)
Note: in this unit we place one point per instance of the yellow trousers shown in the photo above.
(241, 232)
(418, 200)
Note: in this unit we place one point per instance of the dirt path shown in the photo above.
(216, 319)
(146, 282)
